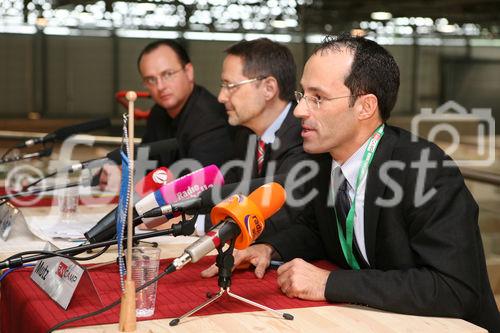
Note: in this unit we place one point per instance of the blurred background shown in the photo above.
(64, 60)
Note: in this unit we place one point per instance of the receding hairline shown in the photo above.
(339, 49)
(158, 47)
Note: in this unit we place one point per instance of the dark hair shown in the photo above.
(263, 57)
(179, 50)
(373, 70)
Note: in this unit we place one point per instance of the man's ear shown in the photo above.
(189, 72)
(367, 106)
(271, 87)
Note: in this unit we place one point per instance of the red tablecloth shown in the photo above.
(26, 308)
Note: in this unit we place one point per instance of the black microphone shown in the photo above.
(41, 153)
(67, 131)
(114, 156)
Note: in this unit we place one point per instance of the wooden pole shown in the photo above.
(127, 310)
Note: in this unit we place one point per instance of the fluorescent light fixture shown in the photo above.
(155, 34)
(381, 16)
(279, 24)
(18, 29)
(57, 31)
(446, 28)
(282, 38)
(220, 36)
(315, 38)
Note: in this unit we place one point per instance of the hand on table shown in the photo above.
(298, 278)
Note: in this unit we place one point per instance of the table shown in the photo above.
(342, 318)
(338, 318)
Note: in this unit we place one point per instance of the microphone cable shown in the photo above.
(26, 187)
(52, 254)
(168, 270)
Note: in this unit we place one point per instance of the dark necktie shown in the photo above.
(342, 201)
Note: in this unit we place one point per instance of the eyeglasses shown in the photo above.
(314, 102)
(152, 81)
(231, 86)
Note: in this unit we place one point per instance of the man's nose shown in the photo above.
(222, 97)
(301, 110)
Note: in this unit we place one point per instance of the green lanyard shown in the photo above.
(346, 242)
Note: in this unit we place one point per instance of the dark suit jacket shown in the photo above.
(279, 159)
(201, 130)
(425, 259)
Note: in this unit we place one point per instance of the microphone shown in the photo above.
(67, 131)
(114, 156)
(41, 153)
(238, 217)
(187, 186)
(153, 181)
(203, 203)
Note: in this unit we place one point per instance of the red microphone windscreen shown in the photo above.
(153, 181)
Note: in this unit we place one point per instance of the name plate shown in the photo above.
(58, 277)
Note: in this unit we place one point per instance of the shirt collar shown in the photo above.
(270, 133)
(351, 166)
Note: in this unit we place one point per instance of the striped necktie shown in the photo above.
(261, 145)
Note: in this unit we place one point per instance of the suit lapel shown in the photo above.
(375, 189)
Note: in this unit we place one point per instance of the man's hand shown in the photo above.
(298, 278)
(258, 255)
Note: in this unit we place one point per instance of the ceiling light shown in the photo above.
(381, 16)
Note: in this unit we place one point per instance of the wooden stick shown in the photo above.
(127, 310)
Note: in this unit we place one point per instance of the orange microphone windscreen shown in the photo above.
(269, 198)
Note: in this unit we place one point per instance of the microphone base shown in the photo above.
(225, 263)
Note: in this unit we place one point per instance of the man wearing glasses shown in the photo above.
(183, 109)
(258, 80)
(392, 211)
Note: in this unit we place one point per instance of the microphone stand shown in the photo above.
(225, 263)
(186, 227)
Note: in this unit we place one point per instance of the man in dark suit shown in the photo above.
(401, 223)
(182, 110)
(257, 89)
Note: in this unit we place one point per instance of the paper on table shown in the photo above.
(49, 227)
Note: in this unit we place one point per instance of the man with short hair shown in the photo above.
(258, 81)
(392, 211)
(183, 109)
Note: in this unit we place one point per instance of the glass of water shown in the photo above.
(145, 262)
(68, 203)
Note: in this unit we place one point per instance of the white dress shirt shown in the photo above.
(268, 137)
(350, 170)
